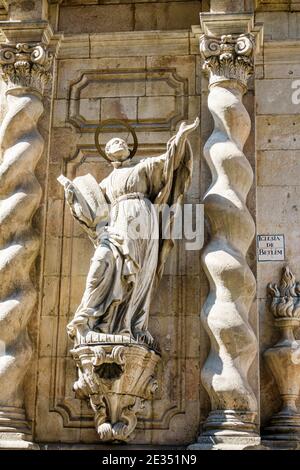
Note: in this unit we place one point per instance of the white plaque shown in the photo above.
(270, 247)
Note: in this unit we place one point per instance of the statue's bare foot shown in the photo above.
(145, 337)
(74, 330)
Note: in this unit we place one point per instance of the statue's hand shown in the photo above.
(186, 129)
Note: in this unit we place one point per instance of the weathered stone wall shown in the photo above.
(278, 184)
(98, 79)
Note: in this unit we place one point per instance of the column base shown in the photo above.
(227, 443)
(228, 430)
(17, 441)
(284, 426)
(14, 430)
(230, 422)
(277, 444)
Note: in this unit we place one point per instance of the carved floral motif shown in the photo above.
(25, 65)
(228, 57)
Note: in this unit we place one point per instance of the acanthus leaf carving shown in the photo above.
(26, 65)
(228, 57)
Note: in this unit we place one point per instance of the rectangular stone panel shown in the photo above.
(113, 84)
(278, 96)
(119, 108)
(70, 70)
(159, 16)
(74, 46)
(277, 5)
(96, 18)
(278, 167)
(272, 5)
(129, 16)
(281, 58)
(278, 132)
(282, 70)
(162, 107)
(121, 94)
(140, 43)
(276, 24)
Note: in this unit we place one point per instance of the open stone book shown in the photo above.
(89, 196)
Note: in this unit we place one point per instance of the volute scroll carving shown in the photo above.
(26, 65)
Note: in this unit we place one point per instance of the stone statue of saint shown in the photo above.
(129, 253)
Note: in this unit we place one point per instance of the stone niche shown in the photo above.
(97, 79)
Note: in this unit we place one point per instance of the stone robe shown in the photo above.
(129, 256)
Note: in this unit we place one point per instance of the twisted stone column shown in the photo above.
(228, 61)
(25, 70)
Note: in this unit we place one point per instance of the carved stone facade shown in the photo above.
(226, 375)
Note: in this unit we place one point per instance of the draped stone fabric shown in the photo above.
(130, 254)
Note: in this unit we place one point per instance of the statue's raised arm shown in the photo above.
(180, 138)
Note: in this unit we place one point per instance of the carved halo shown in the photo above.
(124, 124)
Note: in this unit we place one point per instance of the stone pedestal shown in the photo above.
(116, 378)
(219, 442)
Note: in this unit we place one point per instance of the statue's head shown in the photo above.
(117, 150)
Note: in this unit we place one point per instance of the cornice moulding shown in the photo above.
(216, 24)
(219, 24)
(277, 5)
(26, 31)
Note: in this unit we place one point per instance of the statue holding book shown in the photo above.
(110, 326)
(120, 219)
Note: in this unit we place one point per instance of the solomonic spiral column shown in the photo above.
(25, 69)
(233, 344)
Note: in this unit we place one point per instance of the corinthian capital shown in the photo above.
(228, 57)
(25, 65)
